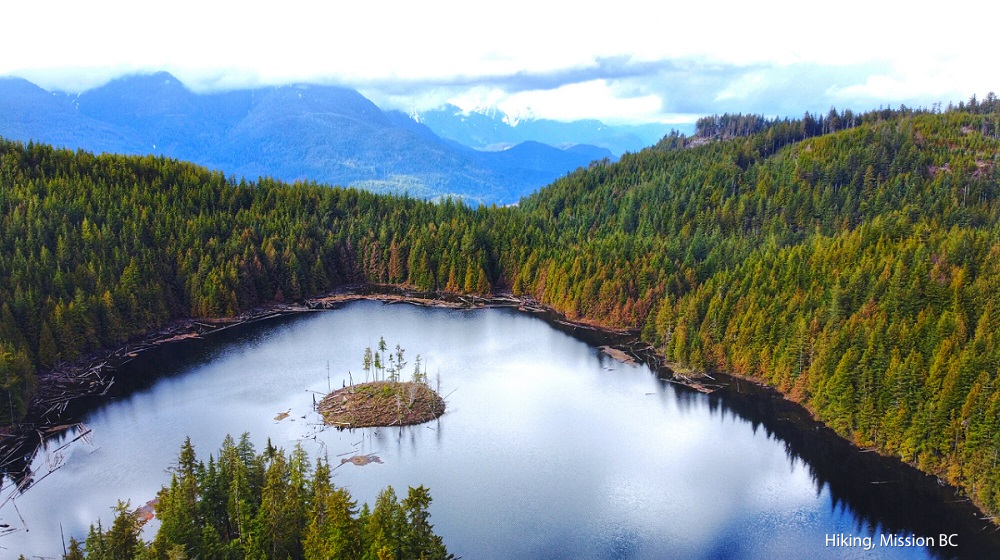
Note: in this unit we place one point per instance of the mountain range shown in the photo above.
(317, 133)
(489, 128)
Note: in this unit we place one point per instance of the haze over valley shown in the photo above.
(318, 133)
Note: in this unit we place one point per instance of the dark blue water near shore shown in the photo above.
(549, 449)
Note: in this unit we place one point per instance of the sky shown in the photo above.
(626, 61)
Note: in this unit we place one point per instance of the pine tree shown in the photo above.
(386, 528)
(333, 532)
(420, 540)
(74, 551)
(123, 541)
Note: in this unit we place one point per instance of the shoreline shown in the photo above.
(59, 389)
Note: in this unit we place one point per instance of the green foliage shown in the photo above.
(857, 271)
(120, 542)
(419, 540)
(334, 532)
(95, 250)
(849, 260)
(297, 514)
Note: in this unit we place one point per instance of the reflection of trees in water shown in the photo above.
(883, 493)
(139, 371)
(53, 445)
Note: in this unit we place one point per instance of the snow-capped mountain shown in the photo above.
(488, 127)
(310, 132)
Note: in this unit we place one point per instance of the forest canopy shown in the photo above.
(273, 504)
(850, 260)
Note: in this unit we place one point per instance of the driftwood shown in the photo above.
(58, 389)
(51, 406)
(619, 355)
(147, 511)
(706, 388)
(362, 460)
(377, 403)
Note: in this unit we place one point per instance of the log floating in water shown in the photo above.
(59, 388)
(618, 355)
(704, 388)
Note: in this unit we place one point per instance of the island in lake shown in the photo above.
(385, 401)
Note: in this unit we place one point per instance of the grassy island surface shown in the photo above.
(381, 403)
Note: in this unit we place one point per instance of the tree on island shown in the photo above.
(384, 403)
(381, 352)
(367, 363)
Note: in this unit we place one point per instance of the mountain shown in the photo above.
(318, 133)
(170, 118)
(490, 128)
(27, 112)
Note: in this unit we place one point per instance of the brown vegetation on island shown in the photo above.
(381, 403)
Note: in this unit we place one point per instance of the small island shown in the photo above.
(384, 401)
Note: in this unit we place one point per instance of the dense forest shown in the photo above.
(95, 250)
(857, 272)
(271, 504)
(850, 260)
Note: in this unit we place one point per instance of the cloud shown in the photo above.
(625, 89)
(615, 89)
(635, 60)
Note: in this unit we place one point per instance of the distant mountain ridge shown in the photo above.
(318, 133)
(490, 128)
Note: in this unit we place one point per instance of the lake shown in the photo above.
(548, 448)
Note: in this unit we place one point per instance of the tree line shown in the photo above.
(243, 504)
(853, 266)
(856, 271)
(97, 250)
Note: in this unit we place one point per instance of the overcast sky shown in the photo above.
(622, 61)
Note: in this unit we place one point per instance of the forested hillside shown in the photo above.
(97, 249)
(858, 272)
(852, 261)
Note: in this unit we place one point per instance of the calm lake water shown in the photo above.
(549, 449)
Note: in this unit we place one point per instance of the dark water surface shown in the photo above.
(549, 449)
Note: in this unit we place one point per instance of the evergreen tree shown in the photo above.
(420, 540)
(298, 514)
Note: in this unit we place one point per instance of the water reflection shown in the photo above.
(879, 492)
(549, 448)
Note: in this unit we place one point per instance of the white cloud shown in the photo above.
(593, 99)
(938, 55)
(743, 87)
